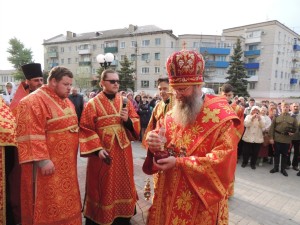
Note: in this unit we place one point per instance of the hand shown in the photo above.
(165, 164)
(124, 114)
(153, 141)
(271, 141)
(102, 154)
(48, 169)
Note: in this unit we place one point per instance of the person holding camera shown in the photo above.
(281, 133)
(253, 136)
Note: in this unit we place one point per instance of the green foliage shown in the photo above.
(237, 72)
(126, 75)
(19, 55)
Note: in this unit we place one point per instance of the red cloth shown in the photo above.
(196, 190)
(110, 189)
(47, 128)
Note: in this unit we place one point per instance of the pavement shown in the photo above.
(260, 198)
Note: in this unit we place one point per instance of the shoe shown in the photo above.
(253, 167)
(284, 173)
(244, 165)
(298, 174)
(295, 168)
(274, 170)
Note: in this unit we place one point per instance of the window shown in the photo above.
(94, 47)
(133, 44)
(145, 43)
(157, 41)
(70, 49)
(144, 83)
(277, 60)
(145, 56)
(275, 86)
(69, 60)
(76, 60)
(276, 73)
(280, 86)
(157, 56)
(253, 47)
(155, 84)
(251, 60)
(133, 57)
(122, 44)
(251, 72)
(62, 49)
(111, 44)
(172, 44)
(123, 57)
(145, 70)
(251, 85)
(157, 70)
(221, 58)
(281, 75)
(195, 44)
(62, 61)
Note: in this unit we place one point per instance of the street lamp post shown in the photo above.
(105, 60)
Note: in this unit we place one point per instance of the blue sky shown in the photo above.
(32, 21)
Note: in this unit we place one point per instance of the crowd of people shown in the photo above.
(192, 140)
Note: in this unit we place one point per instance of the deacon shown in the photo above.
(47, 138)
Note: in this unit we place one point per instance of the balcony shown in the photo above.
(86, 51)
(293, 81)
(111, 49)
(296, 47)
(253, 78)
(85, 63)
(251, 40)
(296, 59)
(217, 64)
(52, 54)
(215, 51)
(251, 65)
(295, 70)
(252, 53)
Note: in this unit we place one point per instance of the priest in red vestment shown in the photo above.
(7, 147)
(107, 126)
(200, 139)
(48, 138)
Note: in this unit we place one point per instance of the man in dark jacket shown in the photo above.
(281, 132)
(77, 101)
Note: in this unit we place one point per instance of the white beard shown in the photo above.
(185, 112)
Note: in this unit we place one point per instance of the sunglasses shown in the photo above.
(113, 81)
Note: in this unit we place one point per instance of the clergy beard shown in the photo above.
(185, 112)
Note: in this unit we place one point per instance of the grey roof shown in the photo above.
(106, 34)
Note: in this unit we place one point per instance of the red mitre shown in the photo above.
(185, 68)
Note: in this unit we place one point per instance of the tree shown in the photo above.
(237, 72)
(19, 55)
(126, 75)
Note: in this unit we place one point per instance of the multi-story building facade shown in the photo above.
(271, 55)
(271, 58)
(146, 47)
(6, 76)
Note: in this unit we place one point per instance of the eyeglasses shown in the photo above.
(181, 90)
(113, 81)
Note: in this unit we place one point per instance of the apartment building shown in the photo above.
(6, 76)
(271, 55)
(147, 47)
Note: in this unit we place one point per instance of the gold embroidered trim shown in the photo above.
(31, 137)
(83, 140)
